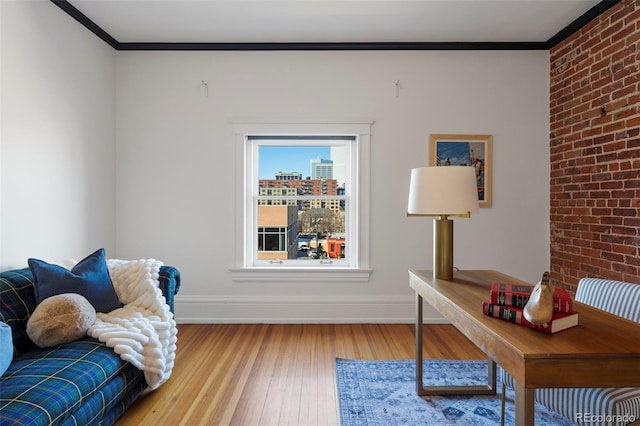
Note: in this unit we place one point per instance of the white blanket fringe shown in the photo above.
(143, 332)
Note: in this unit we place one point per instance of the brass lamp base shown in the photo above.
(443, 248)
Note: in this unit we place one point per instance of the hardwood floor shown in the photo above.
(276, 374)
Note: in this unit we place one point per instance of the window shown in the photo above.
(302, 201)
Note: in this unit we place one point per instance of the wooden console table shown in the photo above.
(602, 351)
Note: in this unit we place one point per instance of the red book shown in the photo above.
(560, 321)
(518, 295)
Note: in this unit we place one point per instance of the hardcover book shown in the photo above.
(560, 321)
(518, 295)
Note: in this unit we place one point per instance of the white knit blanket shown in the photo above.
(143, 332)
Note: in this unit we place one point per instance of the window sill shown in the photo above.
(313, 275)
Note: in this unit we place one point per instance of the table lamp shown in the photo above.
(444, 191)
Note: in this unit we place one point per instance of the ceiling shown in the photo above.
(149, 22)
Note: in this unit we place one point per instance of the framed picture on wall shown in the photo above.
(465, 150)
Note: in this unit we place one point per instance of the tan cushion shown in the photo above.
(60, 319)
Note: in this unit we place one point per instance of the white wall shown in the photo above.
(174, 167)
(70, 105)
(57, 136)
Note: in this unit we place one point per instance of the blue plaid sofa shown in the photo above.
(618, 298)
(79, 383)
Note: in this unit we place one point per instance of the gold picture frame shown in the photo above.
(465, 150)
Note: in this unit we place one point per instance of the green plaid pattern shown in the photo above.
(72, 383)
(78, 383)
(17, 302)
(169, 283)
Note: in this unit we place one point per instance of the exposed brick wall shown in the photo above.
(595, 150)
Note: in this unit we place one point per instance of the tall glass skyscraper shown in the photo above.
(321, 168)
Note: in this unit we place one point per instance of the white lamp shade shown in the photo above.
(443, 190)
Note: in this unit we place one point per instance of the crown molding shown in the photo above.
(580, 22)
(336, 46)
(88, 23)
(562, 35)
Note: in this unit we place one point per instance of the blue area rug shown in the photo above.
(377, 393)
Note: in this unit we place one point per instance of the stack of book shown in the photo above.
(507, 303)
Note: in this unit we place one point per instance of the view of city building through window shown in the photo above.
(302, 193)
(301, 201)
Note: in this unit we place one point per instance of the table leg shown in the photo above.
(525, 405)
(488, 389)
(419, 333)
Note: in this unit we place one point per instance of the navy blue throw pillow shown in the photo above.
(89, 278)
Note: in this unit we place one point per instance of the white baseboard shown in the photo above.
(298, 310)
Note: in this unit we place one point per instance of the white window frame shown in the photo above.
(245, 237)
(251, 194)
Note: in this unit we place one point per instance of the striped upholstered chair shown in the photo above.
(618, 298)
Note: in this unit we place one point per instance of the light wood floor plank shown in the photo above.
(276, 374)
